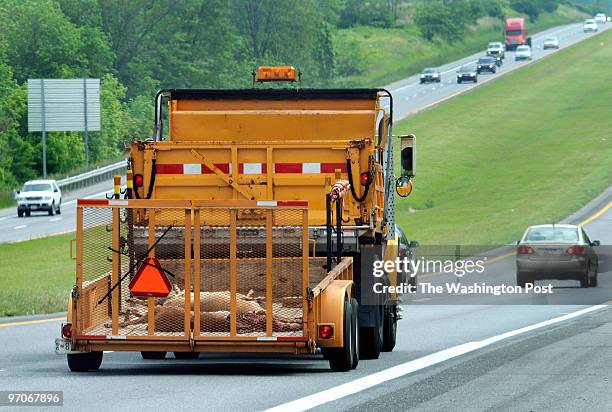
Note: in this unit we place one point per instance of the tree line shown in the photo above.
(139, 46)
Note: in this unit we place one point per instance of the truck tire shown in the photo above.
(28, 212)
(153, 355)
(390, 329)
(341, 359)
(370, 339)
(83, 362)
(355, 332)
(186, 355)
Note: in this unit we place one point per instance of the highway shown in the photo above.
(460, 357)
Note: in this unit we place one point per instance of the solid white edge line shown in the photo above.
(369, 381)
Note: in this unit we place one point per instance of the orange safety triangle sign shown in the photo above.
(150, 280)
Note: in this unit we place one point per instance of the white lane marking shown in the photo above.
(55, 219)
(5, 217)
(109, 351)
(20, 227)
(361, 384)
(2, 370)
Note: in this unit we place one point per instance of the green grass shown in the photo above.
(531, 147)
(36, 276)
(381, 56)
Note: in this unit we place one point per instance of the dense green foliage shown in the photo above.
(136, 47)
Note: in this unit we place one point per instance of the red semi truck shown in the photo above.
(516, 33)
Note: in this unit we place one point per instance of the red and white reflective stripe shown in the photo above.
(282, 203)
(249, 168)
(282, 339)
(92, 202)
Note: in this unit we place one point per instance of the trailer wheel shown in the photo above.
(390, 329)
(83, 362)
(341, 359)
(186, 355)
(370, 339)
(153, 355)
(355, 332)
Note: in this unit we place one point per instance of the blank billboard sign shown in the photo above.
(64, 106)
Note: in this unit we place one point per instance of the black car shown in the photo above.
(486, 64)
(467, 74)
(430, 76)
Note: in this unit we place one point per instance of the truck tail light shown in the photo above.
(575, 250)
(67, 330)
(524, 250)
(138, 180)
(365, 178)
(326, 331)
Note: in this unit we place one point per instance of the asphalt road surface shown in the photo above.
(408, 95)
(449, 357)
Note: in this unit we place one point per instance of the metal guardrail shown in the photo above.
(91, 177)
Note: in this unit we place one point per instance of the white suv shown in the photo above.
(601, 18)
(39, 195)
(590, 26)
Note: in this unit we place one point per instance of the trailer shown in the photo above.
(251, 227)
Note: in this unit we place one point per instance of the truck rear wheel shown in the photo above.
(371, 339)
(341, 359)
(390, 329)
(83, 362)
(355, 332)
(153, 355)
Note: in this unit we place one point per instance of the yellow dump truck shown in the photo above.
(245, 226)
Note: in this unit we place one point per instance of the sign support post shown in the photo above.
(44, 127)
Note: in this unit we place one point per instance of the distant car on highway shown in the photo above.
(562, 252)
(486, 64)
(551, 43)
(590, 26)
(430, 75)
(496, 49)
(467, 74)
(39, 195)
(601, 18)
(522, 53)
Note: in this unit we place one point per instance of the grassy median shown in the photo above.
(36, 276)
(531, 147)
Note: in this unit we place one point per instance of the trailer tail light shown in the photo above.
(576, 250)
(365, 178)
(138, 180)
(326, 331)
(524, 250)
(67, 330)
(276, 73)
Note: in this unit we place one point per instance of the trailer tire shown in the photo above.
(341, 359)
(83, 362)
(390, 329)
(153, 355)
(355, 332)
(186, 355)
(370, 340)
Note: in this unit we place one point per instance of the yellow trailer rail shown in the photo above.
(241, 275)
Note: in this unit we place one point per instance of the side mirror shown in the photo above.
(595, 243)
(518, 242)
(55, 190)
(19, 191)
(408, 154)
(413, 244)
(403, 186)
